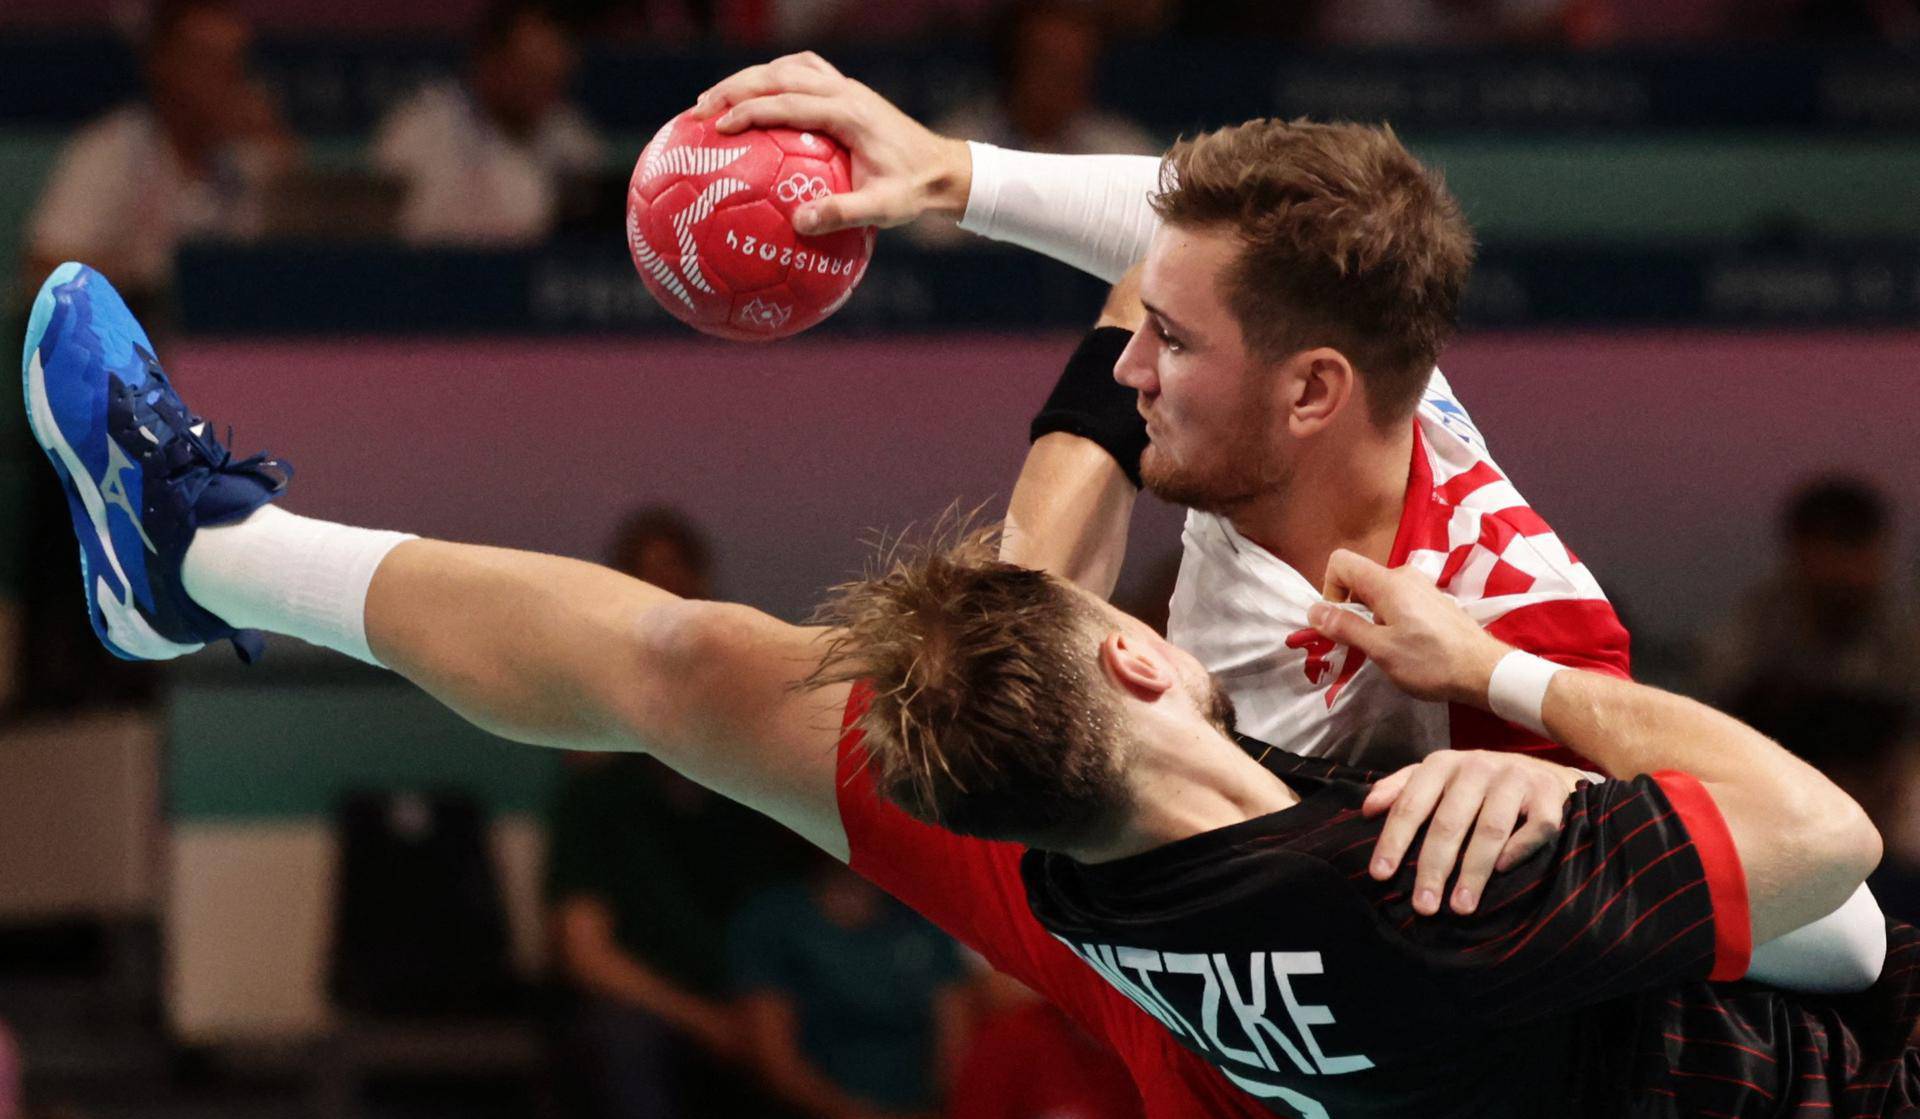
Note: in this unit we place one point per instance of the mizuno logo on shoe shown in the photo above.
(113, 490)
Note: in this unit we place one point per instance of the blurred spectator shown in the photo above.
(1027, 1060)
(644, 872)
(661, 546)
(1046, 62)
(1429, 23)
(193, 160)
(851, 1000)
(485, 161)
(1825, 655)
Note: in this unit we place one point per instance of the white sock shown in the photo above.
(288, 574)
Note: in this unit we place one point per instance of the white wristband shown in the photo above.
(1519, 688)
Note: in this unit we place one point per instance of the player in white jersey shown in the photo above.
(1298, 282)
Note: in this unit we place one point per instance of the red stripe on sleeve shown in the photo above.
(1726, 878)
(1577, 632)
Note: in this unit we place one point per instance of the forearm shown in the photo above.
(1631, 729)
(1069, 514)
(1073, 501)
(1799, 845)
(1089, 211)
(1804, 845)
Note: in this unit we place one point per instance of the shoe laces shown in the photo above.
(192, 456)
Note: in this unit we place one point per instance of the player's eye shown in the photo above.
(1173, 345)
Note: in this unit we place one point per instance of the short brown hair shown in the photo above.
(987, 717)
(1348, 241)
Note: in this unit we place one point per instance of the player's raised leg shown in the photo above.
(180, 548)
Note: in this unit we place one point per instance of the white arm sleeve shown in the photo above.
(1840, 953)
(1089, 211)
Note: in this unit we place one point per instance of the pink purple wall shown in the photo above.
(1659, 457)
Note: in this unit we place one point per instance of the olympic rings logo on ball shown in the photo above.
(799, 187)
(765, 314)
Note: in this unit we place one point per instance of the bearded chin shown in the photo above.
(1166, 480)
(1239, 479)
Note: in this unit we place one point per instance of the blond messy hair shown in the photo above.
(987, 717)
(1347, 241)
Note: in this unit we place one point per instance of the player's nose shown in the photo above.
(1135, 367)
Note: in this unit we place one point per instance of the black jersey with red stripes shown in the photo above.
(1595, 978)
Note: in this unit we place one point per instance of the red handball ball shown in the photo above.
(710, 227)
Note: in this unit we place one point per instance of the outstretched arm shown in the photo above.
(557, 652)
(1090, 211)
(549, 651)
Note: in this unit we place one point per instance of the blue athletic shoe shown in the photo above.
(142, 472)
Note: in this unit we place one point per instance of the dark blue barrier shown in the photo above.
(341, 86)
(573, 288)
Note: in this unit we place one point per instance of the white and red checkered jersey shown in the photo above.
(1243, 611)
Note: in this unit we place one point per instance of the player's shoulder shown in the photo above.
(1324, 833)
(1440, 409)
(1476, 534)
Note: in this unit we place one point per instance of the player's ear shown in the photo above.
(1136, 667)
(1321, 383)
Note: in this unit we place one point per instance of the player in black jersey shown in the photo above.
(1233, 903)
(1000, 702)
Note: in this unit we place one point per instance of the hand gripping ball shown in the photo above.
(710, 227)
